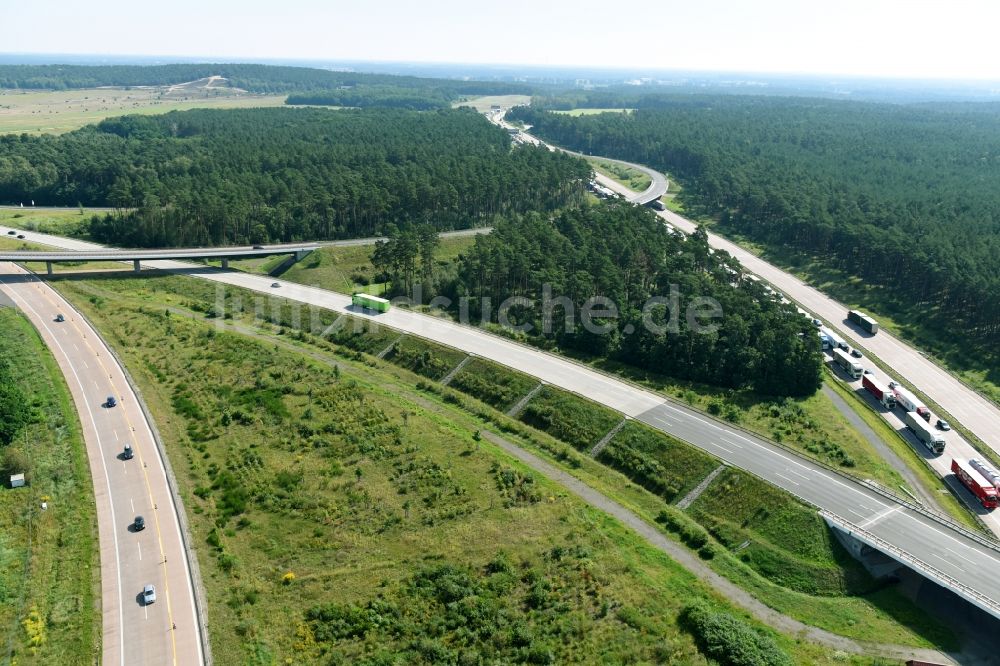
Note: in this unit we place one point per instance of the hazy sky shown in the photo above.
(914, 38)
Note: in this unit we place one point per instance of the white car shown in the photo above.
(148, 595)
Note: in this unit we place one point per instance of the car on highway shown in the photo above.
(943, 425)
(856, 354)
(110, 402)
(11, 233)
(139, 524)
(60, 318)
(275, 285)
(817, 323)
(21, 236)
(148, 595)
(258, 247)
(127, 453)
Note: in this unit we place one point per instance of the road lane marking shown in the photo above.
(139, 546)
(962, 557)
(945, 559)
(107, 479)
(881, 515)
(786, 478)
(131, 504)
(792, 471)
(856, 514)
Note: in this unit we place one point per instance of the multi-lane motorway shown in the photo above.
(166, 631)
(947, 554)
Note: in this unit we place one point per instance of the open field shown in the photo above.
(591, 112)
(346, 269)
(881, 615)
(55, 112)
(483, 104)
(631, 178)
(59, 221)
(49, 571)
(327, 490)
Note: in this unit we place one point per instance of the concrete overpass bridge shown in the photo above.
(299, 250)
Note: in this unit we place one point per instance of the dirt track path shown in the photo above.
(695, 565)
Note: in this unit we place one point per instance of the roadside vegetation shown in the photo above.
(335, 493)
(65, 222)
(627, 176)
(49, 568)
(876, 615)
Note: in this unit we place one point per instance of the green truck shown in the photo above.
(863, 320)
(369, 302)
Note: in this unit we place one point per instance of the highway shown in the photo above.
(948, 554)
(133, 633)
(976, 413)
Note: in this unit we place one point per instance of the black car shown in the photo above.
(856, 354)
(11, 233)
(139, 524)
(21, 236)
(111, 402)
(127, 453)
(60, 318)
(258, 247)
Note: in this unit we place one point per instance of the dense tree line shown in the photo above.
(904, 198)
(282, 174)
(254, 78)
(625, 254)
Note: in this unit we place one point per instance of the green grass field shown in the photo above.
(877, 615)
(494, 384)
(62, 222)
(55, 112)
(360, 510)
(49, 569)
(590, 112)
(345, 269)
(483, 104)
(631, 178)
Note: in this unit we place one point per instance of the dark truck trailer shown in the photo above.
(863, 320)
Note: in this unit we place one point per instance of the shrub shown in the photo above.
(728, 640)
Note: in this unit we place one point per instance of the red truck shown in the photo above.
(879, 390)
(975, 482)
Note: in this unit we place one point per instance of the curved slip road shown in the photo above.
(132, 632)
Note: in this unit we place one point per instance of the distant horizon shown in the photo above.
(637, 72)
(888, 39)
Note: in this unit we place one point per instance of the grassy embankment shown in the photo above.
(62, 221)
(627, 176)
(55, 112)
(878, 615)
(345, 269)
(49, 569)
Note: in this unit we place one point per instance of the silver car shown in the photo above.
(148, 595)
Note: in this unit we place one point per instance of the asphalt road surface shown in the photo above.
(133, 633)
(944, 553)
(963, 404)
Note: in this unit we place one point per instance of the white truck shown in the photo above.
(924, 432)
(850, 366)
(836, 341)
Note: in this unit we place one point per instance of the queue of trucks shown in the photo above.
(924, 432)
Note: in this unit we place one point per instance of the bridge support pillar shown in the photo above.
(48, 267)
(135, 265)
(225, 263)
(302, 254)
